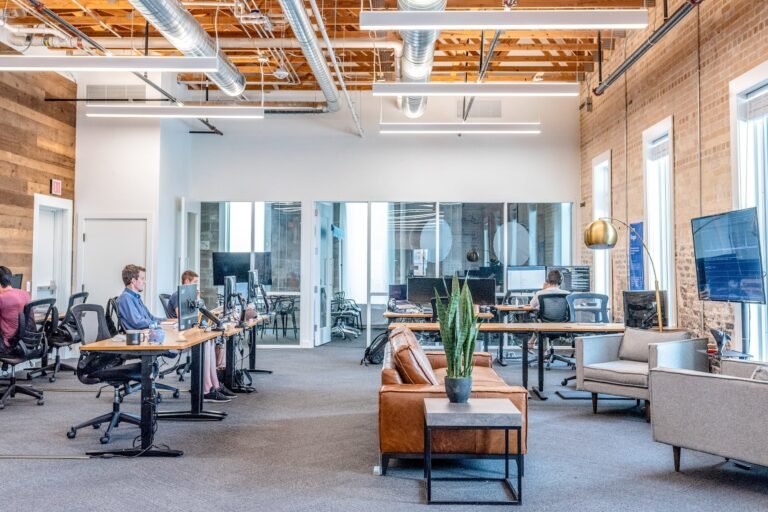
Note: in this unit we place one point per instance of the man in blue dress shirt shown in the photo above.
(133, 313)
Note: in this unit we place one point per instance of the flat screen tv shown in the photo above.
(729, 265)
(231, 264)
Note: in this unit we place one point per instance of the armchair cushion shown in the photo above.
(623, 373)
(634, 346)
(760, 373)
(410, 360)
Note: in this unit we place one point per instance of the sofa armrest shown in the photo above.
(595, 349)
(681, 354)
(716, 414)
(438, 359)
(390, 376)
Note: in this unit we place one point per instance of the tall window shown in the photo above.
(657, 145)
(752, 145)
(601, 207)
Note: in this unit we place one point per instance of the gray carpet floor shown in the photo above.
(307, 441)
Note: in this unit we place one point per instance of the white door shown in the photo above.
(108, 246)
(52, 249)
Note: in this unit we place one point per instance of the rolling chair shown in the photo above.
(553, 308)
(343, 319)
(29, 343)
(113, 314)
(179, 368)
(63, 337)
(100, 367)
(586, 307)
(165, 300)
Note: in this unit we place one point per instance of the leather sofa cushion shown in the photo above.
(481, 376)
(410, 360)
(634, 345)
(623, 373)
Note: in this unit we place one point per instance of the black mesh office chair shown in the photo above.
(29, 343)
(586, 307)
(553, 308)
(165, 300)
(101, 367)
(63, 337)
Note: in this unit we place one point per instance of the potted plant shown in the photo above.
(458, 330)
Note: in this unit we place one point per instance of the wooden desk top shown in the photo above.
(565, 327)
(512, 308)
(174, 340)
(425, 316)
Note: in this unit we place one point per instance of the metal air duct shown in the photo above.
(296, 14)
(185, 33)
(418, 52)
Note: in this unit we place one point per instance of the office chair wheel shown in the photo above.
(72, 433)
(2, 406)
(176, 394)
(52, 378)
(159, 398)
(564, 382)
(96, 426)
(105, 439)
(41, 402)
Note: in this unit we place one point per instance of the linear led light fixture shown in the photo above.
(174, 112)
(519, 19)
(476, 89)
(80, 63)
(461, 128)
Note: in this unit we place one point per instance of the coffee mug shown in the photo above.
(132, 337)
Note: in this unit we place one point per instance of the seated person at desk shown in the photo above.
(213, 391)
(12, 302)
(133, 313)
(551, 287)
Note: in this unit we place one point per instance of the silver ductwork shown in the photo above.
(296, 15)
(418, 53)
(181, 29)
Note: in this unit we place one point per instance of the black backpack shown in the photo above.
(374, 354)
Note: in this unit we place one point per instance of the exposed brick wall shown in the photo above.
(685, 76)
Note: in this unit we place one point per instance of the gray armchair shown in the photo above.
(719, 414)
(620, 364)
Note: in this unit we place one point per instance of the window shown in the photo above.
(659, 219)
(752, 144)
(539, 233)
(601, 207)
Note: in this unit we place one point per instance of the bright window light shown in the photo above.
(526, 19)
(83, 63)
(176, 112)
(476, 89)
(461, 128)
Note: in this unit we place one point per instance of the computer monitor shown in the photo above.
(230, 288)
(187, 294)
(16, 280)
(230, 264)
(421, 290)
(253, 285)
(527, 278)
(483, 290)
(398, 291)
(575, 278)
(640, 309)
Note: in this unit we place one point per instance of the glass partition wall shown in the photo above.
(265, 236)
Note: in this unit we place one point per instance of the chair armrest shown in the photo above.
(716, 414)
(680, 354)
(438, 359)
(739, 368)
(598, 349)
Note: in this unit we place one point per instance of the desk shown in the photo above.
(229, 371)
(537, 328)
(174, 340)
(391, 316)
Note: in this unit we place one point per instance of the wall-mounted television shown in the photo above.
(729, 265)
(231, 264)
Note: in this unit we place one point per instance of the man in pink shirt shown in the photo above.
(12, 302)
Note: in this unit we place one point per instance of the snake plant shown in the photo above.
(458, 329)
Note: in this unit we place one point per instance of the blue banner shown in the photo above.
(636, 260)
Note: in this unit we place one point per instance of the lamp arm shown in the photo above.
(653, 266)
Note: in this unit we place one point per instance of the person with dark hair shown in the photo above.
(12, 302)
(551, 286)
(133, 313)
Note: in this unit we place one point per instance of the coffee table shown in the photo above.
(477, 414)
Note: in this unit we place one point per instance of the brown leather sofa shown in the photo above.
(409, 375)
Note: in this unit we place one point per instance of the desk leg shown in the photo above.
(539, 391)
(147, 421)
(524, 347)
(252, 356)
(229, 371)
(196, 412)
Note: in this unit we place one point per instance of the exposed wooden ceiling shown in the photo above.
(518, 56)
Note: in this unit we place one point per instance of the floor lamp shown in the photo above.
(601, 234)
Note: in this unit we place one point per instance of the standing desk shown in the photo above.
(174, 340)
(537, 328)
(229, 335)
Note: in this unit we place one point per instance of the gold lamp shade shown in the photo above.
(600, 234)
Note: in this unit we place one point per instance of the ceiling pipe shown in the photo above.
(668, 25)
(183, 31)
(418, 53)
(296, 14)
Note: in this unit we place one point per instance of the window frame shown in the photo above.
(600, 164)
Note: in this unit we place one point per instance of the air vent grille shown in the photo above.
(95, 92)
